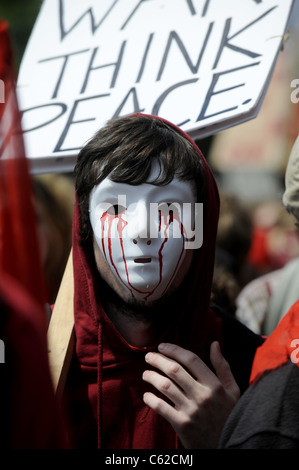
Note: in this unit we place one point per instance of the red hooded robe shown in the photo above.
(105, 388)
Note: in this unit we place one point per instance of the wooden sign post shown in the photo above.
(61, 337)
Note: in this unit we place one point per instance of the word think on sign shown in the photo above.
(205, 65)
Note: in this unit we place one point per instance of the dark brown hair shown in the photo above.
(125, 150)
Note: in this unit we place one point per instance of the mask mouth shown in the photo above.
(142, 260)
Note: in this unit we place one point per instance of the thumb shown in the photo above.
(223, 370)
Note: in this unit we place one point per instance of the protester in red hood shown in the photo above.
(266, 417)
(147, 371)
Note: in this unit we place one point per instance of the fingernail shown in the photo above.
(163, 346)
(148, 356)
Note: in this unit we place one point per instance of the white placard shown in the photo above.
(204, 65)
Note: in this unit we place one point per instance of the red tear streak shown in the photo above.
(121, 224)
(120, 227)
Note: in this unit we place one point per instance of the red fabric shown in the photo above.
(28, 402)
(17, 216)
(105, 387)
(30, 417)
(258, 254)
(280, 346)
(5, 60)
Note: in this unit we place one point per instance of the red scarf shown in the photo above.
(280, 347)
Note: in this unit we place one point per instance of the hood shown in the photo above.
(100, 346)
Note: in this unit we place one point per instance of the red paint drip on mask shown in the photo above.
(172, 216)
(120, 227)
(182, 251)
(121, 224)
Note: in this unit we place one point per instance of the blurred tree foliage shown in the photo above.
(21, 15)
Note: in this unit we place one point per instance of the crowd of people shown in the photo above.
(176, 302)
(178, 344)
(266, 417)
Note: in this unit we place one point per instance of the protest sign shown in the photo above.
(205, 65)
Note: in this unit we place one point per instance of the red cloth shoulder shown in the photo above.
(280, 347)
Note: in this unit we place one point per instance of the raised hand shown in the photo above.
(201, 400)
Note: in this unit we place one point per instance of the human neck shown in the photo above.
(138, 332)
(140, 324)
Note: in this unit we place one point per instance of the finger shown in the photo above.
(161, 407)
(165, 386)
(190, 361)
(223, 370)
(173, 370)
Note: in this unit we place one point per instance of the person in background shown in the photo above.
(267, 415)
(267, 297)
(233, 243)
(54, 204)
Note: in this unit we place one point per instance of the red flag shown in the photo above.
(28, 409)
(19, 249)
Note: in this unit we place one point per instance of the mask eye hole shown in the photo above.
(116, 210)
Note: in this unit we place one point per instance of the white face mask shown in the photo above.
(142, 240)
